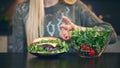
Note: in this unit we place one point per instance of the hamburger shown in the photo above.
(48, 45)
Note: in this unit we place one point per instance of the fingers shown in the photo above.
(64, 34)
(66, 27)
(67, 20)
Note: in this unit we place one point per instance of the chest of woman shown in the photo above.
(53, 19)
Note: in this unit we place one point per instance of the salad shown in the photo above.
(91, 42)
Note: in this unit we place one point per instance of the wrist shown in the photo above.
(79, 27)
(76, 27)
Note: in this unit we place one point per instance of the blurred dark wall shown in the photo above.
(5, 25)
(4, 5)
(109, 9)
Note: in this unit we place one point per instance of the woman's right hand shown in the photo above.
(65, 34)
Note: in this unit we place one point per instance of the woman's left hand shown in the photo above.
(64, 34)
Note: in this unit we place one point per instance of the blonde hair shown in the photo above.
(34, 23)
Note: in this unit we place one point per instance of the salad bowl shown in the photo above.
(91, 42)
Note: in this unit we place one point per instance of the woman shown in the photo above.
(36, 18)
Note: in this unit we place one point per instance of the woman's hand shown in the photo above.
(64, 34)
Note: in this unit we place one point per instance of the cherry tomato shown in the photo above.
(92, 52)
(86, 47)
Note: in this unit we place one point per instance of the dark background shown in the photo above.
(109, 9)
